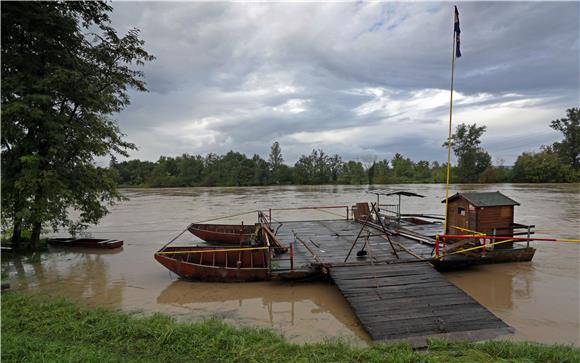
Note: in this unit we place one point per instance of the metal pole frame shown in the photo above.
(449, 133)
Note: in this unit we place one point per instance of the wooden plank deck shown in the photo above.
(395, 298)
(412, 301)
(331, 240)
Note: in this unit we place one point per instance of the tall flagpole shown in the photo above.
(450, 121)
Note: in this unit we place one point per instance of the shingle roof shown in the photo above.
(397, 192)
(484, 199)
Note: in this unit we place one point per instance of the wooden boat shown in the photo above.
(86, 242)
(230, 234)
(218, 264)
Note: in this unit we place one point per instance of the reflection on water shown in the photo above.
(304, 312)
(540, 299)
(81, 275)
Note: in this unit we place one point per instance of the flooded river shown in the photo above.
(539, 299)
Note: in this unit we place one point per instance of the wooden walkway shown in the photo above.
(412, 301)
(395, 296)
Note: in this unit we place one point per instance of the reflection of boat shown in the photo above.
(86, 242)
(217, 264)
(230, 234)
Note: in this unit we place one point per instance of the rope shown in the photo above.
(176, 237)
(230, 216)
(472, 249)
(329, 212)
(516, 239)
(468, 230)
(208, 220)
(207, 251)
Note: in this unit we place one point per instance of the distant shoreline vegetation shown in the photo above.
(236, 169)
(557, 163)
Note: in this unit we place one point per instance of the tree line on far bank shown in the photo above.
(558, 162)
(66, 72)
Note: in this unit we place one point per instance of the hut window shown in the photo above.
(461, 211)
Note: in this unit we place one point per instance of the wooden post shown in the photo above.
(358, 236)
(399, 210)
(384, 230)
(437, 245)
(529, 234)
(291, 256)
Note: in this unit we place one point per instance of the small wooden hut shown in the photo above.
(487, 212)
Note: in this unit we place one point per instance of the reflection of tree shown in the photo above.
(15, 264)
(80, 276)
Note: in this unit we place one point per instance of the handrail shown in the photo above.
(321, 207)
(496, 239)
(213, 250)
(516, 239)
(475, 233)
(472, 248)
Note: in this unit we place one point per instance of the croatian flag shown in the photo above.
(457, 33)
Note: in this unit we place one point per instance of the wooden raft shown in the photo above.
(412, 302)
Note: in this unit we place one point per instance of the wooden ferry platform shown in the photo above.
(385, 264)
(393, 289)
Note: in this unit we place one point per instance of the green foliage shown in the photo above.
(542, 167)
(382, 173)
(472, 160)
(352, 173)
(275, 162)
(422, 172)
(65, 71)
(37, 329)
(403, 169)
(317, 168)
(235, 169)
(569, 148)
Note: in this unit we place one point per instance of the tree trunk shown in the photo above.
(16, 233)
(35, 238)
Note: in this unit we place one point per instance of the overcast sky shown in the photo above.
(364, 80)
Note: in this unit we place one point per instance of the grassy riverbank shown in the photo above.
(41, 329)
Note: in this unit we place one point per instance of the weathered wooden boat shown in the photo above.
(516, 253)
(218, 264)
(86, 242)
(230, 234)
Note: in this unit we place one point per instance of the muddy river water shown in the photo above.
(539, 299)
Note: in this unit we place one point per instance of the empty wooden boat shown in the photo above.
(86, 242)
(218, 264)
(230, 234)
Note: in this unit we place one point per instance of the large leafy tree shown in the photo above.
(569, 148)
(65, 72)
(541, 167)
(472, 159)
(402, 168)
(275, 161)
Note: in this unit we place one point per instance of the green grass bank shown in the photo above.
(36, 329)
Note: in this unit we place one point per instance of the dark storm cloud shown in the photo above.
(359, 79)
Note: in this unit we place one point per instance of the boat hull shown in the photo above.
(218, 265)
(227, 234)
(522, 254)
(86, 242)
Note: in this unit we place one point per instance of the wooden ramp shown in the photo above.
(412, 301)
